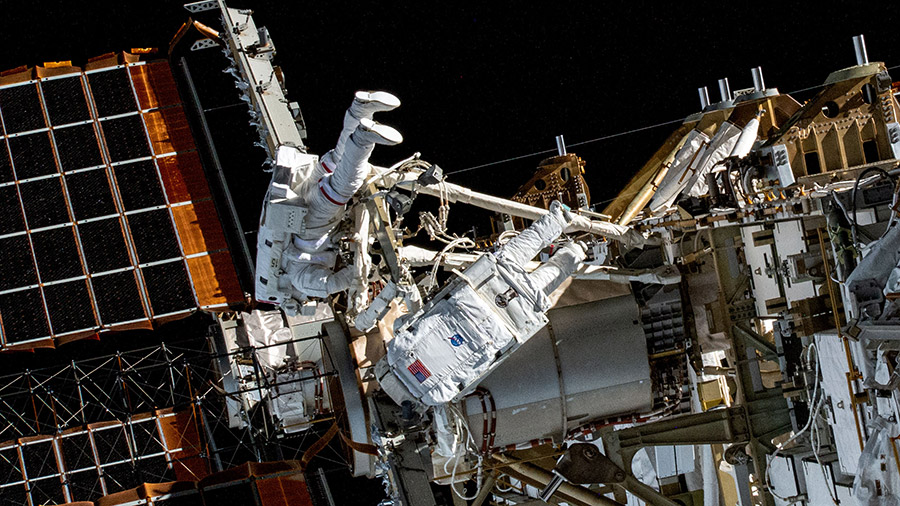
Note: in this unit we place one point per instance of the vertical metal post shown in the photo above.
(80, 393)
(258, 448)
(560, 145)
(171, 374)
(257, 500)
(758, 83)
(260, 378)
(194, 402)
(724, 89)
(132, 443)
(125, 397)
(859, 47)
(37, 423)
(53, 408)
(326, 491)
(213, 450)
(742, 475)
(704, 97)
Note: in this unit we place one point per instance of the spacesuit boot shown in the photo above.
(369, 133)
(365, 105)
(353, 169)
(334, 190)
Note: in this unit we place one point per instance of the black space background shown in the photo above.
(481, 81)
(486, 81)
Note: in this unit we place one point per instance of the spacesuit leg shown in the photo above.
(365, 105)
(525, 246)
(313, 280)
(353, 169)
(327, 199)
(561, 265)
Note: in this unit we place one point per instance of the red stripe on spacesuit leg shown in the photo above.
(325, 192)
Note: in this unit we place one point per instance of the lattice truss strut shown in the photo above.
(156, 414)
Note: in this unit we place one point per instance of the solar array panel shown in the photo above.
(85, 463)
(106, 218)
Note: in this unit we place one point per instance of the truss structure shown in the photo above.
(102, 425)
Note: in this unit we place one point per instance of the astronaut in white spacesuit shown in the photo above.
(302, 259)
(345, 169)
(481, 317)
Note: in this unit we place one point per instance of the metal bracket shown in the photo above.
(205, 5)
(384, 232)
(274, 117)
(203, 44)
(583, 464)
(756, 341)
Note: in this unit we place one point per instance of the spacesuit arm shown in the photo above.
(525, 246)
(315, 280)
(559, 268)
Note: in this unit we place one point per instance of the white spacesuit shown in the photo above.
(482, 316)
(295, 253)
(440, 351)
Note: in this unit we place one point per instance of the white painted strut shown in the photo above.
(457, 193)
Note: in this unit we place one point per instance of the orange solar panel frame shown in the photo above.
(165, 178)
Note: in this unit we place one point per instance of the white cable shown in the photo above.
(506, 236)
(464, 242)
(816, 400)
(814, 435)
(504, 489)
(413, 162)
(460, 426)
(815, 443)
(813, 401)
(894, 212)
(603, 138)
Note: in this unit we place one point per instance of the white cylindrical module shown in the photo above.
(598, 369)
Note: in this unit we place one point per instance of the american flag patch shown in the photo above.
(419, 371)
